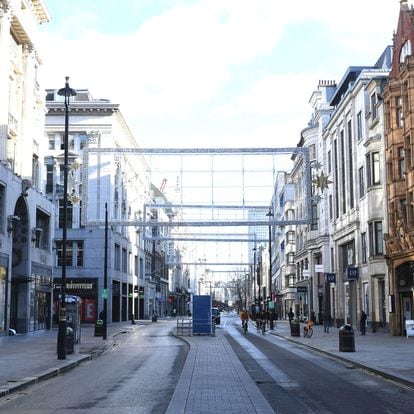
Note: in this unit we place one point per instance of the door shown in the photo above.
(407, 309)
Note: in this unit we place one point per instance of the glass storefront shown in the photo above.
(40, 302)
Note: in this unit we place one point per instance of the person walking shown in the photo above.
(362, 322)
(291, 315)
(326, 322)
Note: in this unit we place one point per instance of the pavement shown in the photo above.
(213, 376)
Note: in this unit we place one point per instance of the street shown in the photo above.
(141, 373)
(138, 375)
(300, 380)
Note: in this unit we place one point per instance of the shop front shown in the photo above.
(40, 298)
(86, 289)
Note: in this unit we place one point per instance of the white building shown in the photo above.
(342, 249)
(119, 181)
(26, 216)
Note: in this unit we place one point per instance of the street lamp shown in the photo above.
(270, 215)
(67, 92)
(254, 275)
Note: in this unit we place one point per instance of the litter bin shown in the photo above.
(99, 327)
(295, 328)
(70, 340)
(346, 339)
(154, 318)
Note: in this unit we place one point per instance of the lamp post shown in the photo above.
(105, 292)
(67, 92)
(270, 215)
(254, 276)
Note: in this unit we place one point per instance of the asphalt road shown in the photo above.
(298, 380)
(138, 375)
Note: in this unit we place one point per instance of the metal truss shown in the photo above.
(146, 223)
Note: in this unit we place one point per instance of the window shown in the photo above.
(330, 207)
(336, 178)
(117, 257)
(329, 162)
(351, 166)
(405, 51)
(398, 112)
(401, 162)
(290, 257)
(40, 234)
(359, 125)
(71, 142)
(2, 207)
(363, 247)
(35, 171)
(83, 141)
(124, 261)
(375, 238)
(374, 106)
(361, 173)
(49, 178)
(69, 214)
(343, 177)
(314, 223)
(74, 253)
(290, 237)
(312, 152)
(52, 141)
(348, 255)
(373, 169)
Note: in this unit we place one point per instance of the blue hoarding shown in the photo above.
(202, 317)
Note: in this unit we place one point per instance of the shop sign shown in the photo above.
(330, 277)
(352, 273)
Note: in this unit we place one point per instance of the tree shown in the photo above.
(238, 286)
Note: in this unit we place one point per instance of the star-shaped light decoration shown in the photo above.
(73, 197)
(75, 165)
(317, 199)
(322, 181)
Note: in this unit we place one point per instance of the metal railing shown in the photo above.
(184, 327)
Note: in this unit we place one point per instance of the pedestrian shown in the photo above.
(244, 316)
(320, 318)
(362, 322)
(326, 322)
(313, 317)
(291, 315)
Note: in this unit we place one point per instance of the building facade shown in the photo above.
(26, 216)
(340, 264)
(399, 125)
(117, 181)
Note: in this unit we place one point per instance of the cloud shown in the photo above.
(214, 56)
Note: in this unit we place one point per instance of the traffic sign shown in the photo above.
(104, 293)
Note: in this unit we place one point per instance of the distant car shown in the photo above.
(215, 313)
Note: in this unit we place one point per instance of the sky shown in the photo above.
(211, 73)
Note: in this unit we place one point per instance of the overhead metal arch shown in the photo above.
(184, 214)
